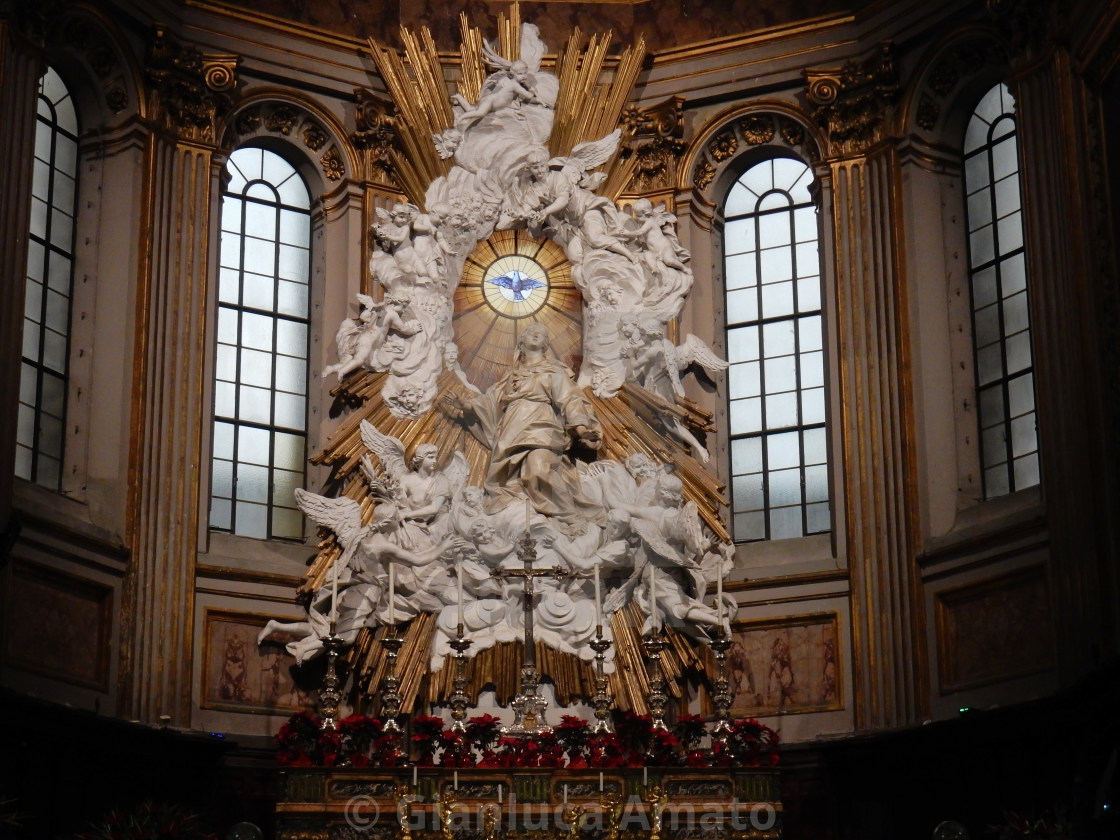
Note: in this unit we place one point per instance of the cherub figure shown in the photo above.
(656, 364)
(421, 492)
(409, 238)
(359, 339)
(672, 541)
(657, 235)
(508, 87)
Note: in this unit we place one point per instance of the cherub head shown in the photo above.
(482, 532)
(450, 354)
(640, 466)
(403, 213)
(643, 208)
(519, 70)
(669, 491)
(473, 496)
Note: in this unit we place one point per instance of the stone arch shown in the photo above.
(272, 117)
(90, 53)
(953, 74)
(737, 138)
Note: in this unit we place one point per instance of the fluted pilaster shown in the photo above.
(188, 91)
(888, 664)
(1064, 339)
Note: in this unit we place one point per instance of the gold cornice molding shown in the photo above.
(747, 40)
(204, 570)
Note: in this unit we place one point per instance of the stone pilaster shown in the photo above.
(854, 107)
(20, 68)
(187, 91)
(1058, 232)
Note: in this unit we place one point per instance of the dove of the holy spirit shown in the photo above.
(515, 285)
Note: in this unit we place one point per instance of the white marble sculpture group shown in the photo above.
(623, 531)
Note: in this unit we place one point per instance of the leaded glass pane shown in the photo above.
(45, 348)
(263, 346)
(787, 388)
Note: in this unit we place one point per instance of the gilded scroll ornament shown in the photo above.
(189, 89)
(853, 103)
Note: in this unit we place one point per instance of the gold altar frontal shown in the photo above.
(348, 803)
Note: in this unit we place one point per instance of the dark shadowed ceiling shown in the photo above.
(665, 24)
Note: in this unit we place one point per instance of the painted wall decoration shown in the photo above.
(243, 676)
(995, 629)
(785, 665)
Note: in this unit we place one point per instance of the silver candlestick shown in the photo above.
(459, 699)
(601, 700)
(658, 697)
(721, 693)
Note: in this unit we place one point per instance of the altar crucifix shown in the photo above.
(528, 706)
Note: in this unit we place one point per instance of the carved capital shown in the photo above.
(189, 89)
(375, 130)
(653, 136)
(31, 18)
(1029, 26)
(853, 103)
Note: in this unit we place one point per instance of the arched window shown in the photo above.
(50, 259)
(1001, 329)
(260, 370)
(777, 416)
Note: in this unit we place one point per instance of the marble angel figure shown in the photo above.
(421, 492)
(663, 256)
(409, 252)
(656, 364)
(361, 575)
(672, 550)
(359, 339)
(514, 112)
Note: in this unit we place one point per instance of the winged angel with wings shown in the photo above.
(409, 528)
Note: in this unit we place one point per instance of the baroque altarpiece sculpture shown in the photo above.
(524, 510)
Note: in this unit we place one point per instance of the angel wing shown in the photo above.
(366, 301)
(457, 472)
(387, 448)
(596, 152)
(382, 215)
(651, 535)
(493, 58)
(694, 351)
(341, 515)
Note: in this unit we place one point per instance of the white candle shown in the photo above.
(392, 596)
(414, 776)
(334, 595)
(598, 598)
(456, 779)
(600, 781)
(565, 794)
(499, 793)
(719, 597)
(459, 575)
(654, 623)
(528, 513)
(645, 777)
